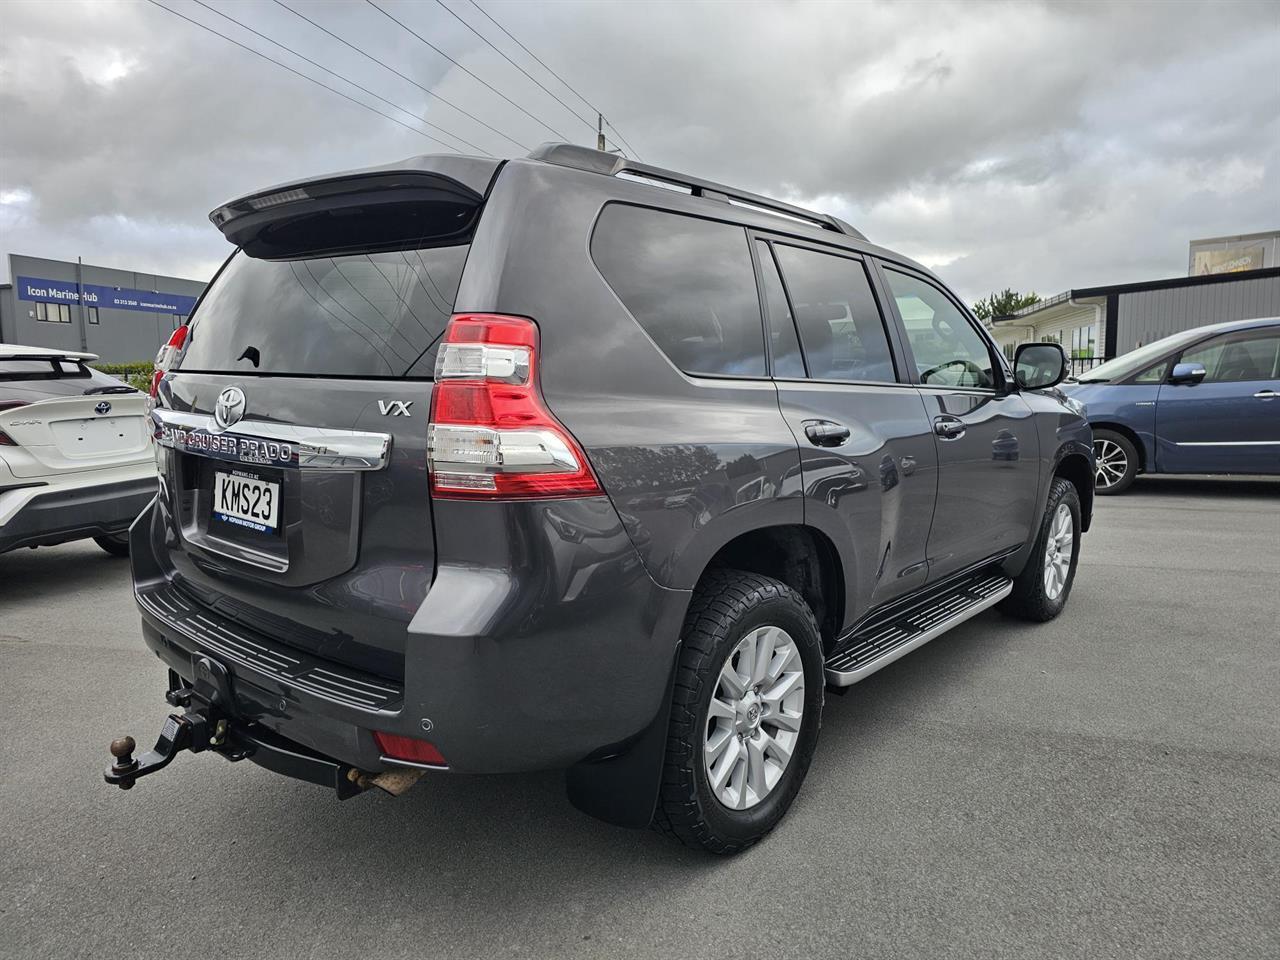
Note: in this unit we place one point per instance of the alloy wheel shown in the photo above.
(753, 721)
(1111, 463)
(1057, 552)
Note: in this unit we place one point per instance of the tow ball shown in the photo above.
(190, 731)
(199, 729)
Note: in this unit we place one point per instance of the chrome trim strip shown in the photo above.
(844, 678)
(414, 765)
(1229, 443)
(262, 443)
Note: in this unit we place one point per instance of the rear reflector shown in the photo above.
(491, 435)
(408, 748)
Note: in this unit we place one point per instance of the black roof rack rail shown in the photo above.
(610, 165)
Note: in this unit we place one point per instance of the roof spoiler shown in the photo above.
(610, 165)
(41, 353)
(248, 221)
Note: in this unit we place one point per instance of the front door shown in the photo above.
(987, 447)
(867, 457)
(1229, 422)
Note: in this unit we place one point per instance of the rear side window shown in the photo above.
(784, 348)
(369, 314)
(689, 283)
(841, 329)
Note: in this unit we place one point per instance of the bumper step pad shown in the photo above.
(897, 632)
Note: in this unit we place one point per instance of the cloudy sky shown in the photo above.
(1038, 146)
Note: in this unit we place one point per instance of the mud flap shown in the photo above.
(621, 786)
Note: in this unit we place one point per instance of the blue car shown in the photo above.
(1201, 401)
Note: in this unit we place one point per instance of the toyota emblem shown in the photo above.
(229, 408)
(103, 407)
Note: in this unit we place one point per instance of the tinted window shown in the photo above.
(689, 283)
(1235, 357)
(840, 325)
(784, 348)
(376, 314)
(948, 351)
(43, 370)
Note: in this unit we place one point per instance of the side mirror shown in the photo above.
(1039, 365)
(1187, 373)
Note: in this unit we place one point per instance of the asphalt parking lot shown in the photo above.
(1106, 785)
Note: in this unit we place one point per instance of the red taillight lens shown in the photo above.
(491, 435)
(408, 748)
(5, 439)
(168, 355)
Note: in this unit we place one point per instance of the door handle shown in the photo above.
(824, 433)
(949, 428)
(1265, 394)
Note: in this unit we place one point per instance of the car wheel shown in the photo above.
(1115, 462)
(745, 712)
(1041, 590)
(116, 544)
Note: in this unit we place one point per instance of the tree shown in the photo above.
(1002, 304)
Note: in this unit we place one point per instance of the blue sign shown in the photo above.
(104, 298)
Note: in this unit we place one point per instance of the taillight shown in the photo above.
(408, 748)
(5, 439)
(491, 435)
(168, 355)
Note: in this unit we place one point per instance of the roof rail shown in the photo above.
(610, 165)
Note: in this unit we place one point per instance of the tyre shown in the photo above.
(745, 712)
(116, 544)
(1041, 590)
(1116, 462)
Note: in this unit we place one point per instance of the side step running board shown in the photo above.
(886, 639)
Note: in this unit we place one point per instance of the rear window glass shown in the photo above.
(689, 283)
(42, 370)
(370, 314)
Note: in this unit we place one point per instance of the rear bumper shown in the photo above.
(504, 671)
(42, 515)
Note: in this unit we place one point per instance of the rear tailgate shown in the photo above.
(292, 434)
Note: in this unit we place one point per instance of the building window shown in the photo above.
(64, 313)
(93, 314)
(1084, 341)
(1009, 350)
(53, 312)
(41, 309)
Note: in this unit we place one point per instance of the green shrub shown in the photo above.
(137, 374)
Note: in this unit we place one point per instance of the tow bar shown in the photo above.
(210, 723)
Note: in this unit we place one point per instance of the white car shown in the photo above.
(76, 456)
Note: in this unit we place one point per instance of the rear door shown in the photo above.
(293, 431)
(866, 452)
(986, 441)
(1229, 422)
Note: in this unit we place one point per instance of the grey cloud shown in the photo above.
(1028, 145)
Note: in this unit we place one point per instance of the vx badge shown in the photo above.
(395, 408)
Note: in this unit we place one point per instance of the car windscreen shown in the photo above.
(363, 315)
(1138, 359)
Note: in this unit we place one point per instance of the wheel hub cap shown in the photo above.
(754, 718)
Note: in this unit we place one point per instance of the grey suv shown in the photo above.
(573, 462)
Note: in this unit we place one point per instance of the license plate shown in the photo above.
(246, 501)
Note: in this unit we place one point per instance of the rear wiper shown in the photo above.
(115, 388)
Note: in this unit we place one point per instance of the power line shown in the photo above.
(428, 43)
(334, 73)
(407, 79)
(594, 109)
(299, 73)
(516, 65)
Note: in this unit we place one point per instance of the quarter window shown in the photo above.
(840, 325)
(690, 284)
(948, 351)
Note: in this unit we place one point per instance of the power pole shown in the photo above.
(600, 132)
